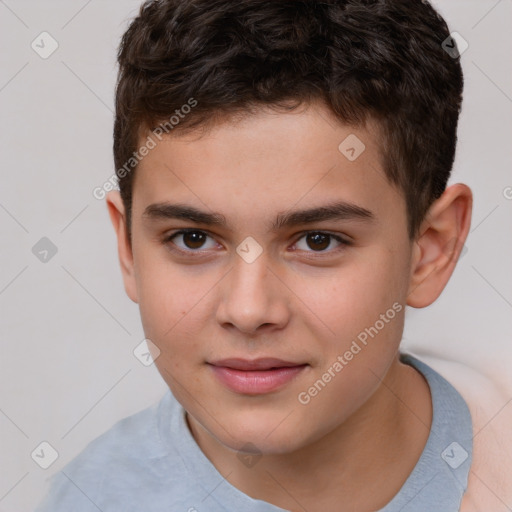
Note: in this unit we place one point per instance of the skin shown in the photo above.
(297, 301)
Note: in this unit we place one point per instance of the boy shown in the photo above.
(282, 170)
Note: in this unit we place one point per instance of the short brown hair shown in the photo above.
(381, 59)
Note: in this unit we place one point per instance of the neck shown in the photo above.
(375, 449)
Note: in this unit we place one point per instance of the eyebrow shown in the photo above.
(333, 211)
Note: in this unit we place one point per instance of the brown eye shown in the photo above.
(194, 239)
(318, 241)
(190, 241)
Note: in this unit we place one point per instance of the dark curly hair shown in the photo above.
(378, 59)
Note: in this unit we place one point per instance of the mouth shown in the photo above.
(257, 376)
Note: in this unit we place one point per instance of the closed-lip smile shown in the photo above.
(255, 376)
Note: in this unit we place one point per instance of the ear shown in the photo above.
(438, 245)
(117, 216)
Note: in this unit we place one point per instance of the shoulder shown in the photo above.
(490, 405)
(125, 458)
(135, 437)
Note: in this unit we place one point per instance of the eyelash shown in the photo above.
(197, 253)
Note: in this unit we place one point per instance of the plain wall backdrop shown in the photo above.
(68, 330)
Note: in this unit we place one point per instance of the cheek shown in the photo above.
(345, 301)
(378, 309)
(175, 307)
(169, 297)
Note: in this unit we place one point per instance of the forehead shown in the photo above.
(267, 162)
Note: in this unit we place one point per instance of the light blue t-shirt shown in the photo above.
(150, 462)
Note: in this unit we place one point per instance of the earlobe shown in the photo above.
(439, 245)
(117, 216)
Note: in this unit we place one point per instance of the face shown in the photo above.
(271, 266)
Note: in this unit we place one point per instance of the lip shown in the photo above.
(262, 363)
(257, 376)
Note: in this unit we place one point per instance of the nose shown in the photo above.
(254, 299)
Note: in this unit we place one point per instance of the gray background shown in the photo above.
(68, 330)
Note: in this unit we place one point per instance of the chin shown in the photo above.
(265, 435)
